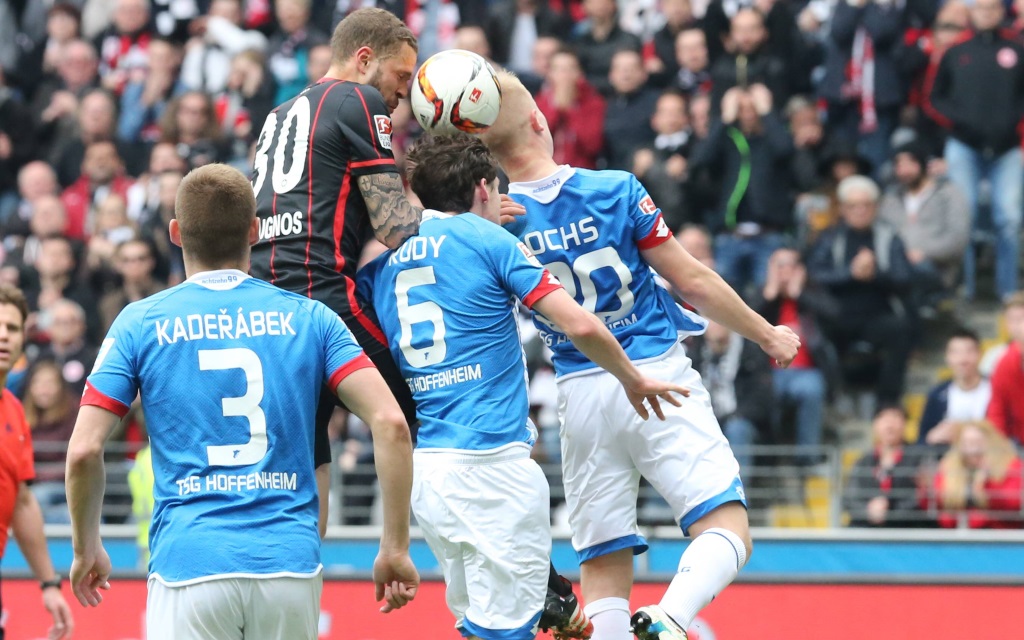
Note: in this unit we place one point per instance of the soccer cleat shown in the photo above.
(652, 623)
(564, 617)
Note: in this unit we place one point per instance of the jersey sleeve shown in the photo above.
(366, 278)
(649, 228)
(342, 355)
(366, 123)
(114, 382)
(520, 272)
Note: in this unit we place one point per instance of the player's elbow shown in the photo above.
(390, 427)
(582, 326)
(82, 455)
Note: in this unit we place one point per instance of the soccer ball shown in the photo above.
(454, 91)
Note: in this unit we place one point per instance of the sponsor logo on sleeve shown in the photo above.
(383, 131)
(529, 255)
(647, 205)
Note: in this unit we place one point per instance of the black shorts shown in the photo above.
(381, 357)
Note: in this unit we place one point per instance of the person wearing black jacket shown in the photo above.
(750, 149)
(979, 90)
(749, 60)
(504, 30)
(862, 262)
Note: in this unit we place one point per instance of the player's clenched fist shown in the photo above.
(396, 580)
(782, 346)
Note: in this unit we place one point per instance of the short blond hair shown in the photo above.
(514, 116)
(215, 207)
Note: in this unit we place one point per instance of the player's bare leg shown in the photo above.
(721, 546)
(606, 582)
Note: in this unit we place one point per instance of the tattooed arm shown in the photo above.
(392, 217)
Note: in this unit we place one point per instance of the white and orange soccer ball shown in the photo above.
(455, 90)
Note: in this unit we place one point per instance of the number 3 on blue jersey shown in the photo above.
(246, 406)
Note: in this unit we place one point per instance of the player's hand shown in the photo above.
(63, 624)
(396, 579)
(90, 572)
(653, 391)
(782, 346)
(510, 209)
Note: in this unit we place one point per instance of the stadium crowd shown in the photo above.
(839, 162)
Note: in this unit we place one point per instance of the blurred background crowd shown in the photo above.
(853, 167)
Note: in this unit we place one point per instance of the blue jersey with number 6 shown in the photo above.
(229, 369)
(445, 300)
(588, 228)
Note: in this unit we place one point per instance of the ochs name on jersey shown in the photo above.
(562, 238)
(281, 225)
(223, 326)
(274, 480)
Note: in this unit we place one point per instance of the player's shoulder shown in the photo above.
(604, 180)
(274, 295)
(141, 308)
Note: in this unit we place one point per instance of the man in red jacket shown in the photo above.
(102, 175)
(1006, 409)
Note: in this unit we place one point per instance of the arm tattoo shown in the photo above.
(392, 217)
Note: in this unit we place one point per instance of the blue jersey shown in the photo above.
(445, 300)
(588, 228)
(229, 369)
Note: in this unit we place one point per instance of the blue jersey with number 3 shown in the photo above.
(445, 299)
(229, 369)
(588, 228)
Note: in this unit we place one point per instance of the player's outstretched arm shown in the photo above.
(392, 216)
(714, 298)
(86, 480)
(366, 394)
(590, 335)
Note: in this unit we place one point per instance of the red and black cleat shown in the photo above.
(563, 616)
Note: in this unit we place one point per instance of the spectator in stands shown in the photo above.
(786, 299)
(56, 270)
(693, 73)
(319, 63)
(881, 490)
(932, 218)
(144, 195)
(217, 38)
(697, 242)
(51, 409)
(146, 96)
(979, 90)
(661, 166)
(289, 47)
(515, 26)
(47, 219)
(963, 398)
(660, 53)
(861, 261)
(110, 228)
(748, 62)
(63, 25)
(102, 174)
(17, 145)
(244, 106)
(1006, 408)
(627, 119)
(123, 46)
(69, 346)
(35, 180)
(170, 265)
(862, 84)
(739, 380)
(55, 103)
(809, 144)
(471, 37)
(783, 38)
(574, 111)
(135, 266)
(978, 483)
(190, 123)
(97, 122)
(750, 149)
(600, 38)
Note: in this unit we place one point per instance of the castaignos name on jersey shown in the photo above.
(279, 225)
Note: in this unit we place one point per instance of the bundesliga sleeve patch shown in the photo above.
(383, 124)
(647, 206)
(529, 254)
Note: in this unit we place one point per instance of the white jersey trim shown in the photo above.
(434, 214)
(546, 189)
(227, 576)
(508, 451)
(219, 279)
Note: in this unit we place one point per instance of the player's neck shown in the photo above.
(347, 72)
(194, 267)
(529, 166)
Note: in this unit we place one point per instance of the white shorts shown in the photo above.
(235, 609)
(606, 447)
(486, 518)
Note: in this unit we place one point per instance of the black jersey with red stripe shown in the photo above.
(313, 220)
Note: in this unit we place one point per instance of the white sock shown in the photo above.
(610, 617)
(708, 565)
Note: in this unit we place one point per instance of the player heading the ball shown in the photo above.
(229, 369)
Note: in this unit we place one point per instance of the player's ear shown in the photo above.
(254, 231)
(537, 121)
(174, 231)
(364, 56)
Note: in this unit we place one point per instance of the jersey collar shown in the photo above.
(434, 214)
(219, 279)
(546, 189)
